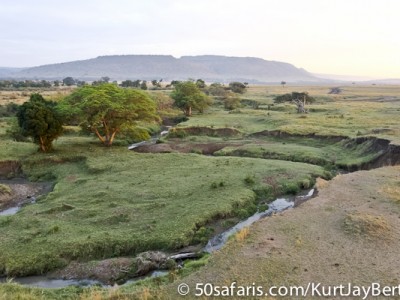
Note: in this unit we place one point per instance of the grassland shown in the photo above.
(111, 202)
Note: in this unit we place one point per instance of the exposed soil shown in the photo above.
(349, 233)
(182, 147)
(114, 270)
(222, 132)
(10, 169)
(22, 192)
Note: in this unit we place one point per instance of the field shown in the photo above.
(214, 168)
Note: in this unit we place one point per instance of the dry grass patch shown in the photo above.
(392, 191)
(5, 189)
(242, 234)
(321, 183)
(367, 225)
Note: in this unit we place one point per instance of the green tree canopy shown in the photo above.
(187, 96)
(237, 87)
(40, 120)
(107, 109)
(300, 99)
(68, 81)
(201, 83)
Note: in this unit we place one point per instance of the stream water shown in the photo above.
(215, 243)
(280, 204)
(25, 192)
(45, 282)
(153, 139)
(10, 211)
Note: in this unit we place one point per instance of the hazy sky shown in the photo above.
(349, 37)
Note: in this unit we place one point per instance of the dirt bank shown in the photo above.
(22, 191)
(182, 147)
(221, 132)
(349, 233)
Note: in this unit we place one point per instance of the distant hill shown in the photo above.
(8, 72)
(167, 67)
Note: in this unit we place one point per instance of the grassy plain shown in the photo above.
(110, 202)
(357, 111)
(115, 202)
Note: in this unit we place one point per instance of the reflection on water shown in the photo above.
(10, 211)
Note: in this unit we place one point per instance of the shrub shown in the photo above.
(5, 189)
(249, 180)
(291, 188)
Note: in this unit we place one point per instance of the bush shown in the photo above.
(8, 110)
(291, 188)
(15, 132)
(249, 180)
(175, 133)
(4, 189)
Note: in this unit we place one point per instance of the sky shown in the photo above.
(345, 37)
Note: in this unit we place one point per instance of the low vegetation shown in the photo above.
(110, 202)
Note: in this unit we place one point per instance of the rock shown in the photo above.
(149, 261)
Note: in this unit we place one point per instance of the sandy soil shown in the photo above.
(349, 233)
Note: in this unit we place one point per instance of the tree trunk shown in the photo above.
(188, 111)
(300, 106)
(112, 138)
(42, 144)
(99, 135)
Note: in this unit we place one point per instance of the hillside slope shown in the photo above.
(167, 67)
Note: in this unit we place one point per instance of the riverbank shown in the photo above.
(349, 233)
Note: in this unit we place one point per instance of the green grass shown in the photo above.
(358, 110)
(308, 150)
(111, 202)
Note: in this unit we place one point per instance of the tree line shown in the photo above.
(107, 110)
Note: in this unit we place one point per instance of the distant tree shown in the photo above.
(300, 99)
(283, 83)
(143, 85)
(174, 82)
(200, 83)
(105, 79)
(187, 96)
(68, 81)
(80, 82)
(40, 120)
(217, 89)
(136, 83)
(237, 87)
(107, 109)
(56, 82)
(127, 83)
(231, 101)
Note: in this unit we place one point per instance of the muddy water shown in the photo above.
(10, 211)
(23, 192)
(44, 282)
(278, 205)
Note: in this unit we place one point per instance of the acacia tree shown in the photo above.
(300, 99)
(237, 87)
(107, 109)
(187, 96)
(40, 120)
